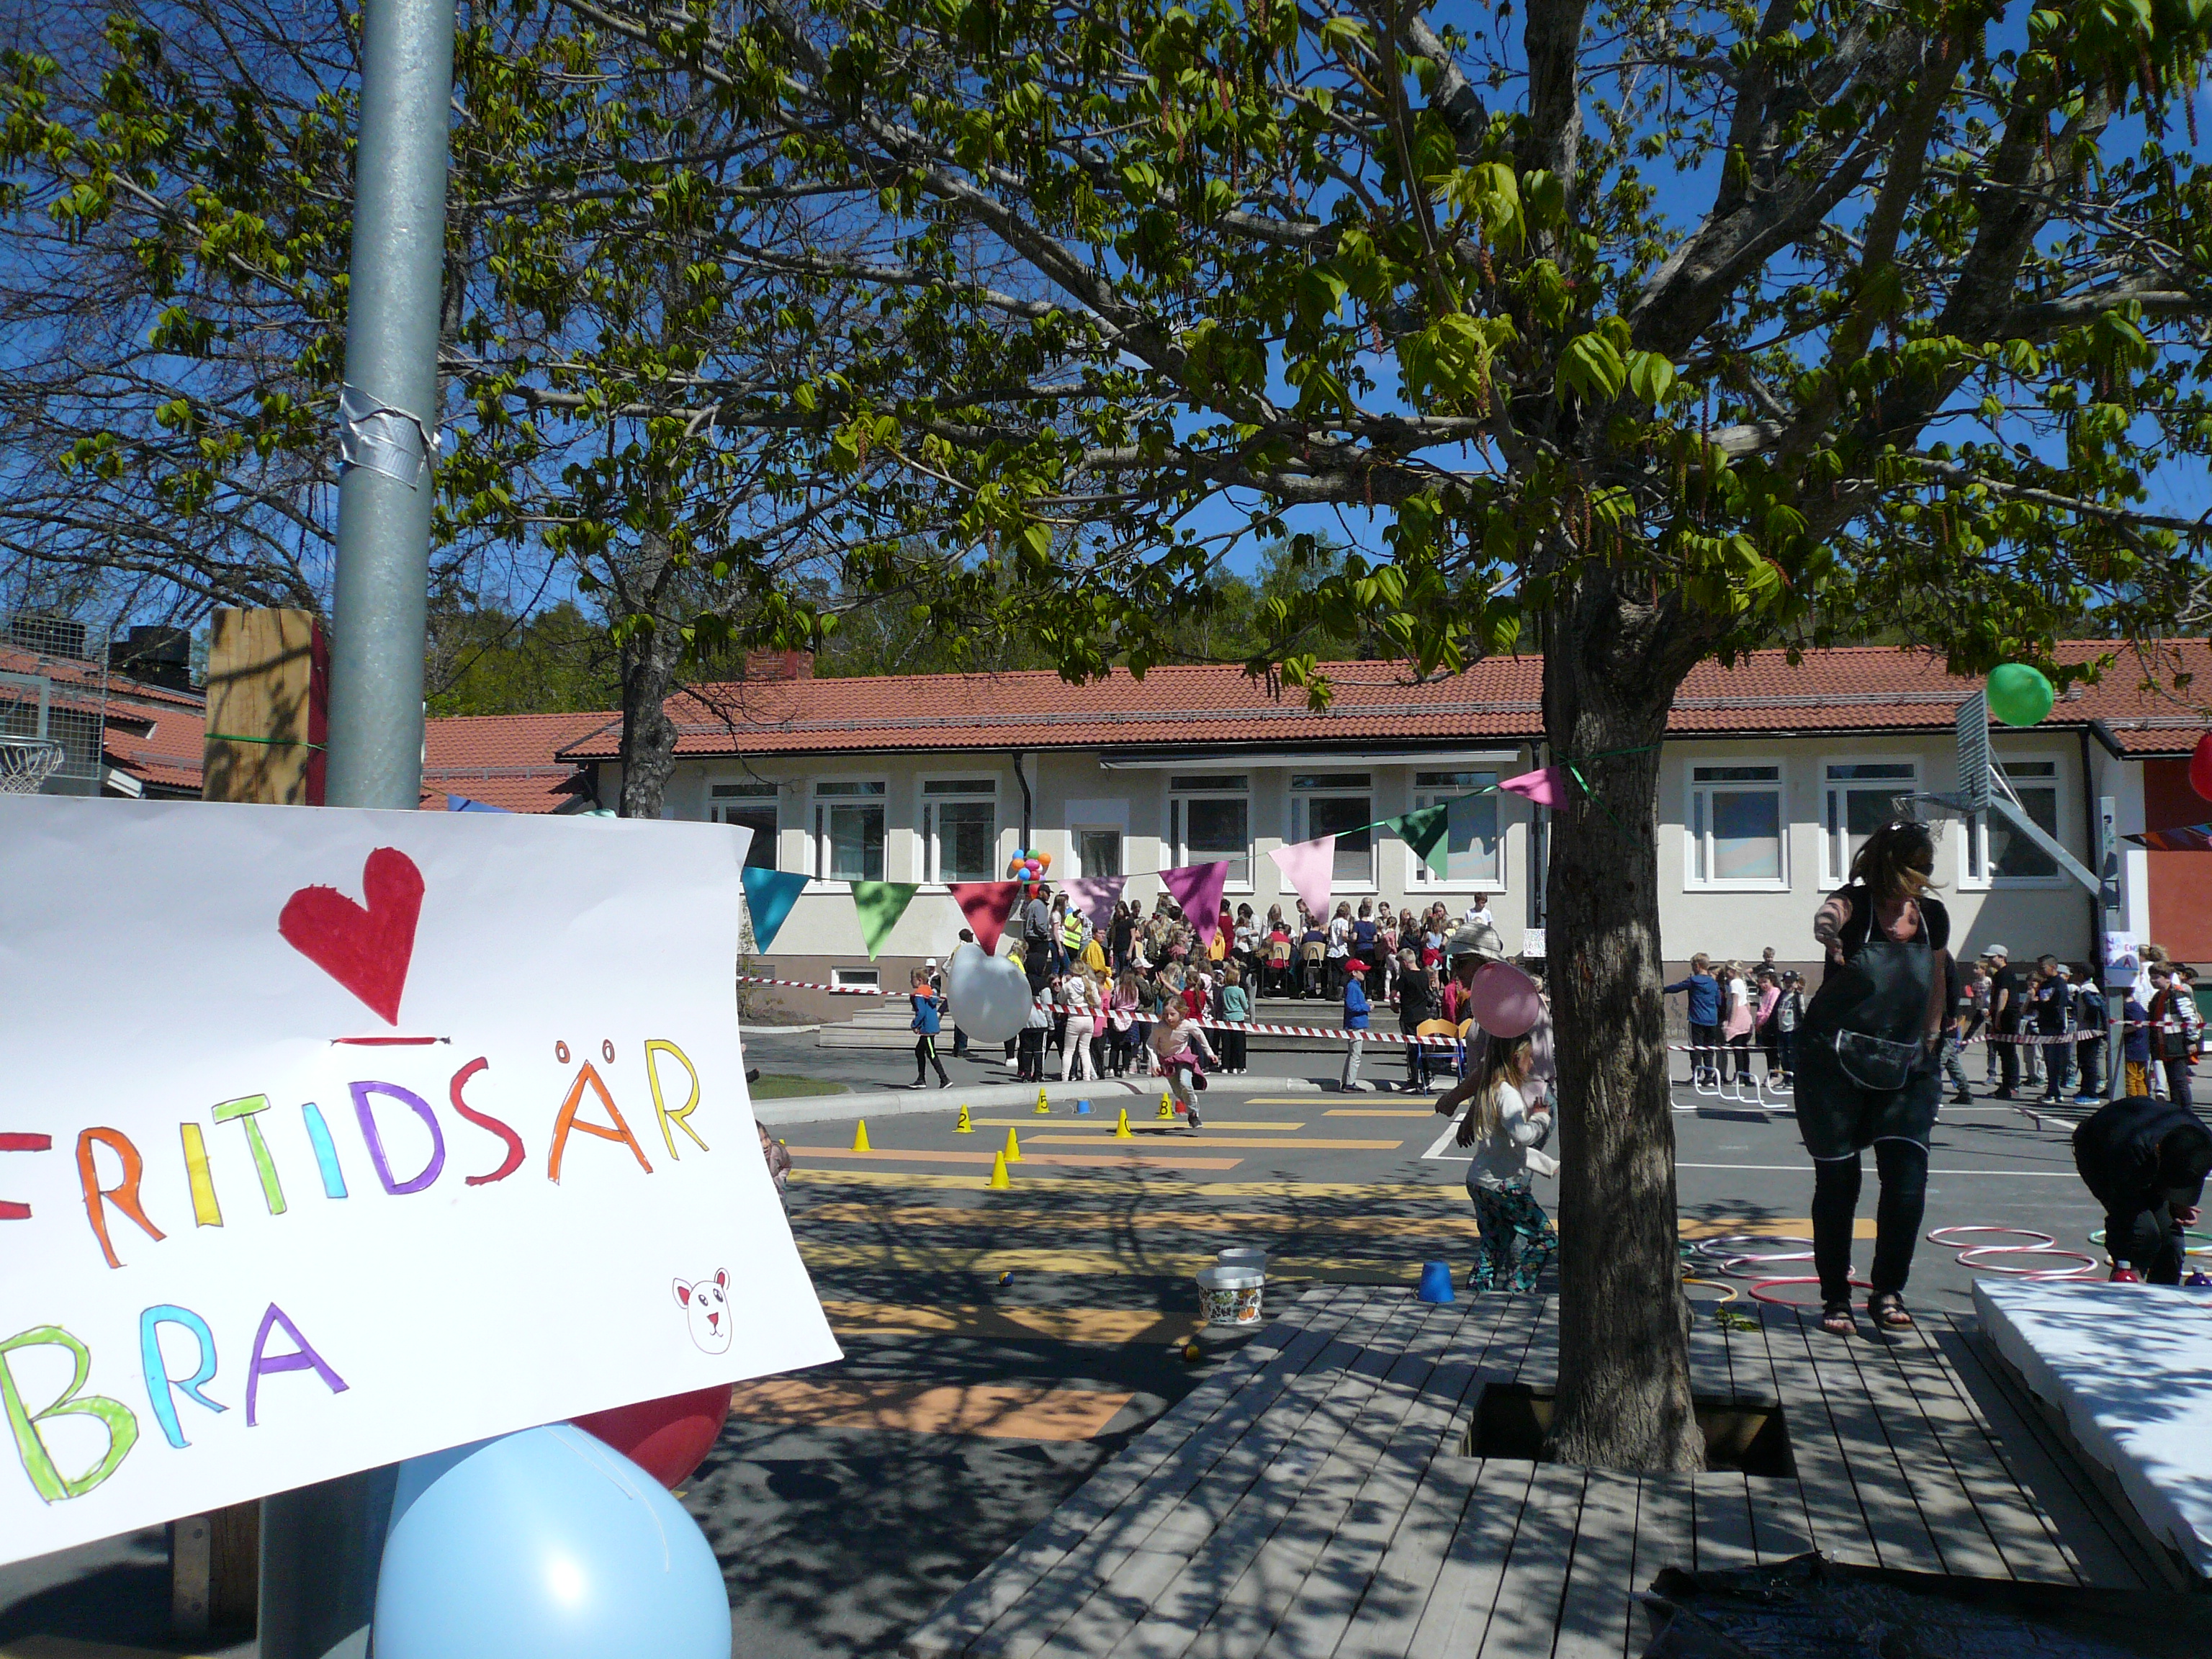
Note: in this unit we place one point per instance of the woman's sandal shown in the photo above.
(1887, 1312)
(1836, 1319)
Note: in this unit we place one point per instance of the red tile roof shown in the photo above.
(506, 760)
(1870, 688)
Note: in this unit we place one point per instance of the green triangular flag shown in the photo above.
(879, 905)
(1424, 831)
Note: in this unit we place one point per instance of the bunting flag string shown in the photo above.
(1307, 865)
(770, 894)
(1197, 888)
(1096, 896)
(987, 904)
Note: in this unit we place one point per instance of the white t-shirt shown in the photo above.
(1502, 1160)
(1478, 915)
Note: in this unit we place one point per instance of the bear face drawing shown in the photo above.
(706, 1305)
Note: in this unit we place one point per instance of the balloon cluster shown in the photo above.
(1028, 867)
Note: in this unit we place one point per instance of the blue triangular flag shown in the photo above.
(770, 894)
(463, 804)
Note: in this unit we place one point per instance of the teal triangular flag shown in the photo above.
(770, 894)
(1424, 831)
(879, 904)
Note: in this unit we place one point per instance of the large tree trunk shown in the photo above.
(1610, 670)
(649, 656)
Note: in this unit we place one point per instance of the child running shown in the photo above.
(928, 1011)
(1518, 1239)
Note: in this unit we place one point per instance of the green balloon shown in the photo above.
(2019, 694)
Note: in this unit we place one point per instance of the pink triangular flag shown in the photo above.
(1307, 865)
(1096, 897)
(1546, 788)
(1197, 888)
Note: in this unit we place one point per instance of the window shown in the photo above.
(848, 830)
(1862, 797)
(751, 806)
(1097, 852)
(857, 979)
(1209, 818)
(1735, 828)
(960, 827)
(1337, 804)
(1997, 852)
(1473, 857)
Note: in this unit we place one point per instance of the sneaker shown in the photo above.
(2086, 1100)
(1962, 1098)
(943, 1083)
(2002, 1094)
(1191, 1114)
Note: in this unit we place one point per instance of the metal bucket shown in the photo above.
(1230, 1296)
(1252, 1257)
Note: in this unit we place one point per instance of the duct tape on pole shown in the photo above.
(321, 1545)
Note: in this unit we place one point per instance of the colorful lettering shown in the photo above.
(662, 1046)
(367, 1114)
(124, 1196)
(245, 1113)
(568, 1119)
(206, 1213)
(486, 1121)
(17, 1140)
(304, 1358)
(160, 1387)
(46, 1477)
(326, 1152)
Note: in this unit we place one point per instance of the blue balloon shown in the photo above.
(548, 1543)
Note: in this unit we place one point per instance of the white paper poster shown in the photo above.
(332, 1137)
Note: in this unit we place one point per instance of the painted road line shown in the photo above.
(982, 1160)
(1256, 1222)
(1061, 1120)
(1112, 1325)
(998, 1410)
(1450, 1134)
(1447, 1192)
(1177, 1261)
(1806, 1168)
(1205, 1137)
(1374, 1111)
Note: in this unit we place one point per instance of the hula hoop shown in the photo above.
(1759, 1290)
(2089, 1264)
(1733, 1265)
(2205, 1248)
(1936, 1237)
(1728, 1291)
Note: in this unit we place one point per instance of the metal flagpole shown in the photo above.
(320, 1545)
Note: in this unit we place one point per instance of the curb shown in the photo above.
(913, 1102)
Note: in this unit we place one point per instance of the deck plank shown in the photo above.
(1832, 1510)
(1666, 1528)
(1594, 1616)
(1720, 1503)
(1456, 1612)
(1524, 1614)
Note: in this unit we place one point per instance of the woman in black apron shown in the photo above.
(1868, 1066)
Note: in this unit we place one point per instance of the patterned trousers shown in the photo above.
(1513, 1226)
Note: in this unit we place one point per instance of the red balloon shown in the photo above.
(2200, 767)
(667, 1439)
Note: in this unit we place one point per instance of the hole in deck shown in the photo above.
(1749, 1435)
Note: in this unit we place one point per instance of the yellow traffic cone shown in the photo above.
(1043, 1106)
(1166, 1113)
(966, 1125)
(1121, 1127)
(860, 1138)
(999, 1180)
(1013, 1152)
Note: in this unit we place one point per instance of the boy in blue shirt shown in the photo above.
(1356, 1011)
(1704, 1012)
(927, 1009)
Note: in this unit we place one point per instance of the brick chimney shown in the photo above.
(779, 666)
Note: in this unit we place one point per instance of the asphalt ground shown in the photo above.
(999, 1346)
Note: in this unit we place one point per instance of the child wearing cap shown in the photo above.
(1357, 1009)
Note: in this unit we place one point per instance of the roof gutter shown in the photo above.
(1028, 803)
(2103, 734)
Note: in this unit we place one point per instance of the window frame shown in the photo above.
(765, 790)
(932, 862)
(819, 829)
(1835, 860)
(1176, 826)
(1975, 839)
(1302, 824)
(1419, 876)
(1076, 867)
(1692, 790)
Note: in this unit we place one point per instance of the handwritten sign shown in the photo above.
(328, 1138)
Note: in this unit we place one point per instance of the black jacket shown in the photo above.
(2115, 1148)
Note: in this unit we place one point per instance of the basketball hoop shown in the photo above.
(26, 762)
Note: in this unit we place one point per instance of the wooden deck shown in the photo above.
(1310, 1501)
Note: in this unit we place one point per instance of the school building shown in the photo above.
(1772, 775)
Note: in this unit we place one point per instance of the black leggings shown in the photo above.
(1902, 1166)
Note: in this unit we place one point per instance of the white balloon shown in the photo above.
(989, 996)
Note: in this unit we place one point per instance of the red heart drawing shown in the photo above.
(366, 950)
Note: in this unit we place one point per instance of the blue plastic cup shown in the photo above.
(1083, 1109)
(1437, 1282)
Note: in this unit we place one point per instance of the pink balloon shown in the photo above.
(1503, 1000)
